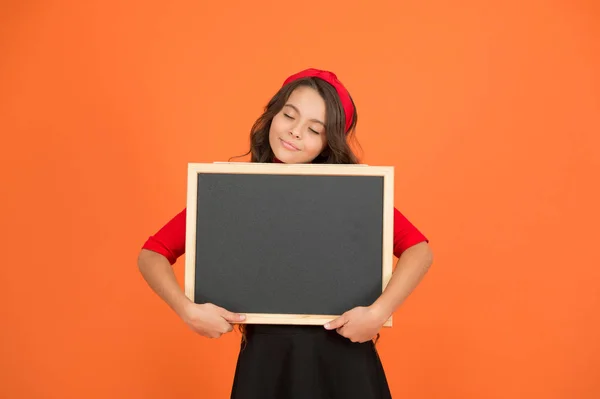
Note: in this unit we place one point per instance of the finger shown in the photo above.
(226, 328)
(231, 316)
(346, 333)
(336, 323)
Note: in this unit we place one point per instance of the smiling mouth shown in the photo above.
(289, 145)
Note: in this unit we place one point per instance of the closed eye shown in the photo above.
(287, 116)
(314, 131)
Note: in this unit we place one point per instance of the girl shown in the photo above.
(309, 120)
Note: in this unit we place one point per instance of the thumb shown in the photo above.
(336, 323)
(231, 316)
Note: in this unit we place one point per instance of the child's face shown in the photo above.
(297, 133)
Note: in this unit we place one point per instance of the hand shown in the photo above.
(360, 324)
(210, 320)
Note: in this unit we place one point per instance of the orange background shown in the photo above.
(488, 111)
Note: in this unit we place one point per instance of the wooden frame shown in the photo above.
(386, 172)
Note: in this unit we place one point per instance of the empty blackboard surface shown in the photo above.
(288, 244)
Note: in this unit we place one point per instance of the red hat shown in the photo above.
(330, 78)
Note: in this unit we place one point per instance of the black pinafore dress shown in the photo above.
(306, 362)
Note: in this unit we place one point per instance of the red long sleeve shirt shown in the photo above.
(169, 240)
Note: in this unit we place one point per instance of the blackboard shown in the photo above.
(288, 244)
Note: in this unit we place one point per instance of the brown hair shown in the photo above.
(338, 150)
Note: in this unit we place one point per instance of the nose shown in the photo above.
(293, 132)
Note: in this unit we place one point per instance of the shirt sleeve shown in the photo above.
(169, 240)
(405, 234)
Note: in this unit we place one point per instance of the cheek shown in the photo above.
(275, 129)
(316, 144)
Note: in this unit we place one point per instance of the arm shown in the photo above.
(157, 257)
(155, 261)
(414, 259)
(158, 273)
(410, 269)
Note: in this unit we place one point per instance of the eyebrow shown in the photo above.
(298, 111)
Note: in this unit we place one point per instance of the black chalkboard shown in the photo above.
(287, 243)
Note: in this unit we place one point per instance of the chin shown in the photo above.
(285, 157)
(288, 157)
(283, 154)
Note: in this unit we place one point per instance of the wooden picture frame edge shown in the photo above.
(386, 172)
